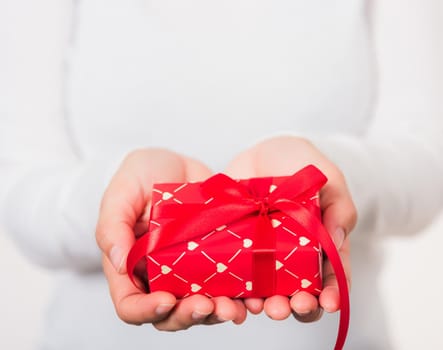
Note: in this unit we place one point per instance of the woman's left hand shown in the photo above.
(284, 156)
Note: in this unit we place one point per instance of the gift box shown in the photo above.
(222, 261)
(240, 238)
(231, 238)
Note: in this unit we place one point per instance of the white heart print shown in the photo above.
(195, 287)
(192, 245)
(221, 267)
(275, 223)
(247, 243)
(248, 285)
(165, 269)
(166, 196)
(304, 241)
(305, 283)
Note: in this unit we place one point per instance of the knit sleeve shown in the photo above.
(49, 192)
(395, 172)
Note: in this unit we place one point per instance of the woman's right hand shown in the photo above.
(124, 213)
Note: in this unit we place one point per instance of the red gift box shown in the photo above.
(221, 261)
(247, 238)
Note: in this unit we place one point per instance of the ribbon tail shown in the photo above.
(313, 226)
(331, 251)
(304, 183)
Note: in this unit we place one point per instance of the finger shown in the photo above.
(132, 305)
(196, 170)
(338, 210)
(189, 311)
(241, 312)
(329, 297)
(227, 309)
(303, 303)
(122, 204)
(254, 305)
(242, 166)
(277, 307)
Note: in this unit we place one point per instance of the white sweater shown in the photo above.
(209, 79)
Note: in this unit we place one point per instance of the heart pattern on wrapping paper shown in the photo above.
(165, 269)
(304, 241)
(221, 267)
(305, 283)
(195, 287)
(166, 196)
(247, 243)
(192, 245)
(275, 223)
(248, 286)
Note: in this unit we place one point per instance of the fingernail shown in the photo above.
(117, 258)
(163, 309)
(198, 316)
(339, 237)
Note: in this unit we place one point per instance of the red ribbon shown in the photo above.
(234, 201)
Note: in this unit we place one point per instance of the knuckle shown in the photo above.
(340, 175)
(124, 313)
(125, 317)
(101, 238)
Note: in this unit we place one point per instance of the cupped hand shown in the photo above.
(123, 215)
(284, 156)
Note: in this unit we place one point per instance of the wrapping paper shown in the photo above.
(221, 261)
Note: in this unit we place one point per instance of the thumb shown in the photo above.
(121, 206)
(126, 198)
(129, 192)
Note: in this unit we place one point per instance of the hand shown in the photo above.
(123, 215)
(284, 156)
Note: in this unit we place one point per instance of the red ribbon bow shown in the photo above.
(233, 201)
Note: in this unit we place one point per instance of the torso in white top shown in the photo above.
(209, 78)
